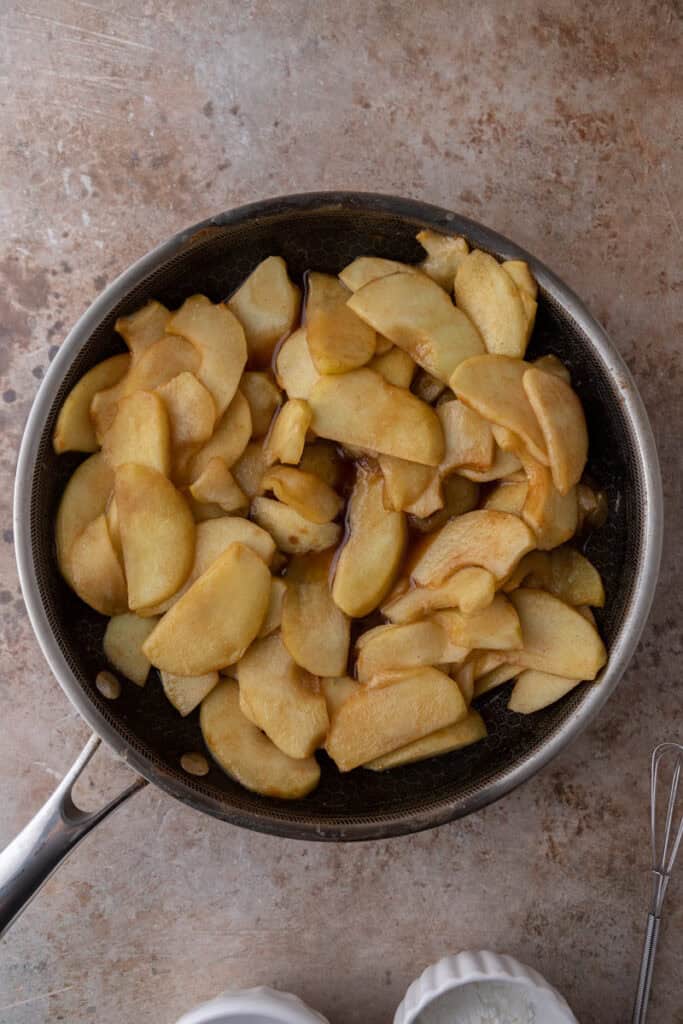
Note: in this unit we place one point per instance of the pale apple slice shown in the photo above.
(463, 674)
(217, 484)
(557, 639)
(459, 496)
(551, 364)
(468, 437)
(494, 678)
(187, 692)
(492, 385)
(314, 630)
(507, 497)
(267, 305)
(74, 431)
(535, 690)
(157, 534)
(229, 439)
(522, 276)
(95, 572)
(491, 299)
(144, 327)
(336, 691)
(123, 639)
(406, 482)
(430, 501)
(85, 497)
(445, 253)
(563, 424)
(338, 340)
(295, 370)
(287, 437)
(574, 579)
(191, 410)
(361, 408)
(370, 268)
(470, 590)
(273, 619)
(264, 398)
(533, 570)
(291, 532)
(112, 514)
(246, 754)
(310, 496)
(379, 719)
(552, 516)
(248, 470)
(504, 464)
(219, 338)
(418, 316)
(140, 433)
(387, 649)
(444, 741)
(214, 622)
(323, 460)
(284, 701)
(395, 365)
(492, 540)
(496, 628)
(427, 387)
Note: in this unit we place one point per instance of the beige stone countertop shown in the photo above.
(557, 123)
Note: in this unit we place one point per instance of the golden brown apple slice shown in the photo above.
(468, 437)
(144, 327)
(267, 305)
(273, 619)
(418, 316)
(535, 690)
(295, 371)
(191, 410)
(492, 385)
(494, 678)
(95, 572)
(406, 482)
(563, 424)
(291, 532)
(314, 630)
(187, 692)
(218, 336)
(74, 431)
(459, 495)
(248, 470)
(470, 590)
(310, 496)
(284, 701)
(338, 340)
(492, 540)
(228, 440)
(361, 408)
(214, 622)
(217, 484)
(336, 691)
(379, 719)
(388, 649)
(85, 497)
(123, 639)
(551, 364)
(504, 464)
(574, 579)
(246, 754)
(522, 276)
(445, 253)
(140, 433)
(552, 516)
(369, 268)
(495, 628)
(323, 460)
(507, 497)
(395, 365)
(491, 299)
(370, 558)
(287, 437)
(430, 501)
(557, 639)
(533, 570)
(264, 398)
(157, 534)
(444, 741)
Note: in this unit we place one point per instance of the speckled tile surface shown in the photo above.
(556, 122)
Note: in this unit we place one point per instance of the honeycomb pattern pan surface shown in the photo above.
(325, 231)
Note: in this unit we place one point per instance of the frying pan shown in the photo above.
(322, 231)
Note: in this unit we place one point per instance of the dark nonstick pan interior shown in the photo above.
(325, 232)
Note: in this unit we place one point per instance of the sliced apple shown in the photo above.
(314, 630)
(248, 470)
(468, 437)
(283, 700)
(471, 590)
(246, 754)
(470, 730)
(217, 484)
(495, 628)
(492, 540)
(370, 268)
(507, 497)
(85, 497)
(379, 719)
(522, 276)
(264, 398)
(229, 439)
(563, 425)
(273, 619)
(459, 496)
(267, 305)
(557, 639)
(491, 299)
(387, 649)
(157, 534)
(574, 579)
(375, 542)
(503, 465)
(140, 433)
(144, 327)
(533, 570)
(418, 316)
(463, 674)
(336, 691)
(405, 482)
(494, 678)
(295, 370)
(191, 410)
(445, 253)
(305, 492)
(218, 336)
(551, 364)
(187, 692)
(552, 516)
(291, 532)
(535, 690)
(395, 365)
(361, 408)
(338, 340)
(95, 572)
(123, 639)
(74, 431)
(323, 460)
(287, 437)
(430, 501)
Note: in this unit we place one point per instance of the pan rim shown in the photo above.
(392, 823)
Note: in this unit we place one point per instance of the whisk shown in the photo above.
(664, 849)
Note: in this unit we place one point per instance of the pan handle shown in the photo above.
(38, 850)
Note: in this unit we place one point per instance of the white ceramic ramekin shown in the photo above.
(258, 1005)
(449, 978)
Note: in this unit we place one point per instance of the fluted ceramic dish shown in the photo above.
(255, 1005)
(466, 988)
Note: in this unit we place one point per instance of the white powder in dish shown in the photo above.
(488, 1002)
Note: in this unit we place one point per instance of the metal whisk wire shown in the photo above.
(664, 854)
